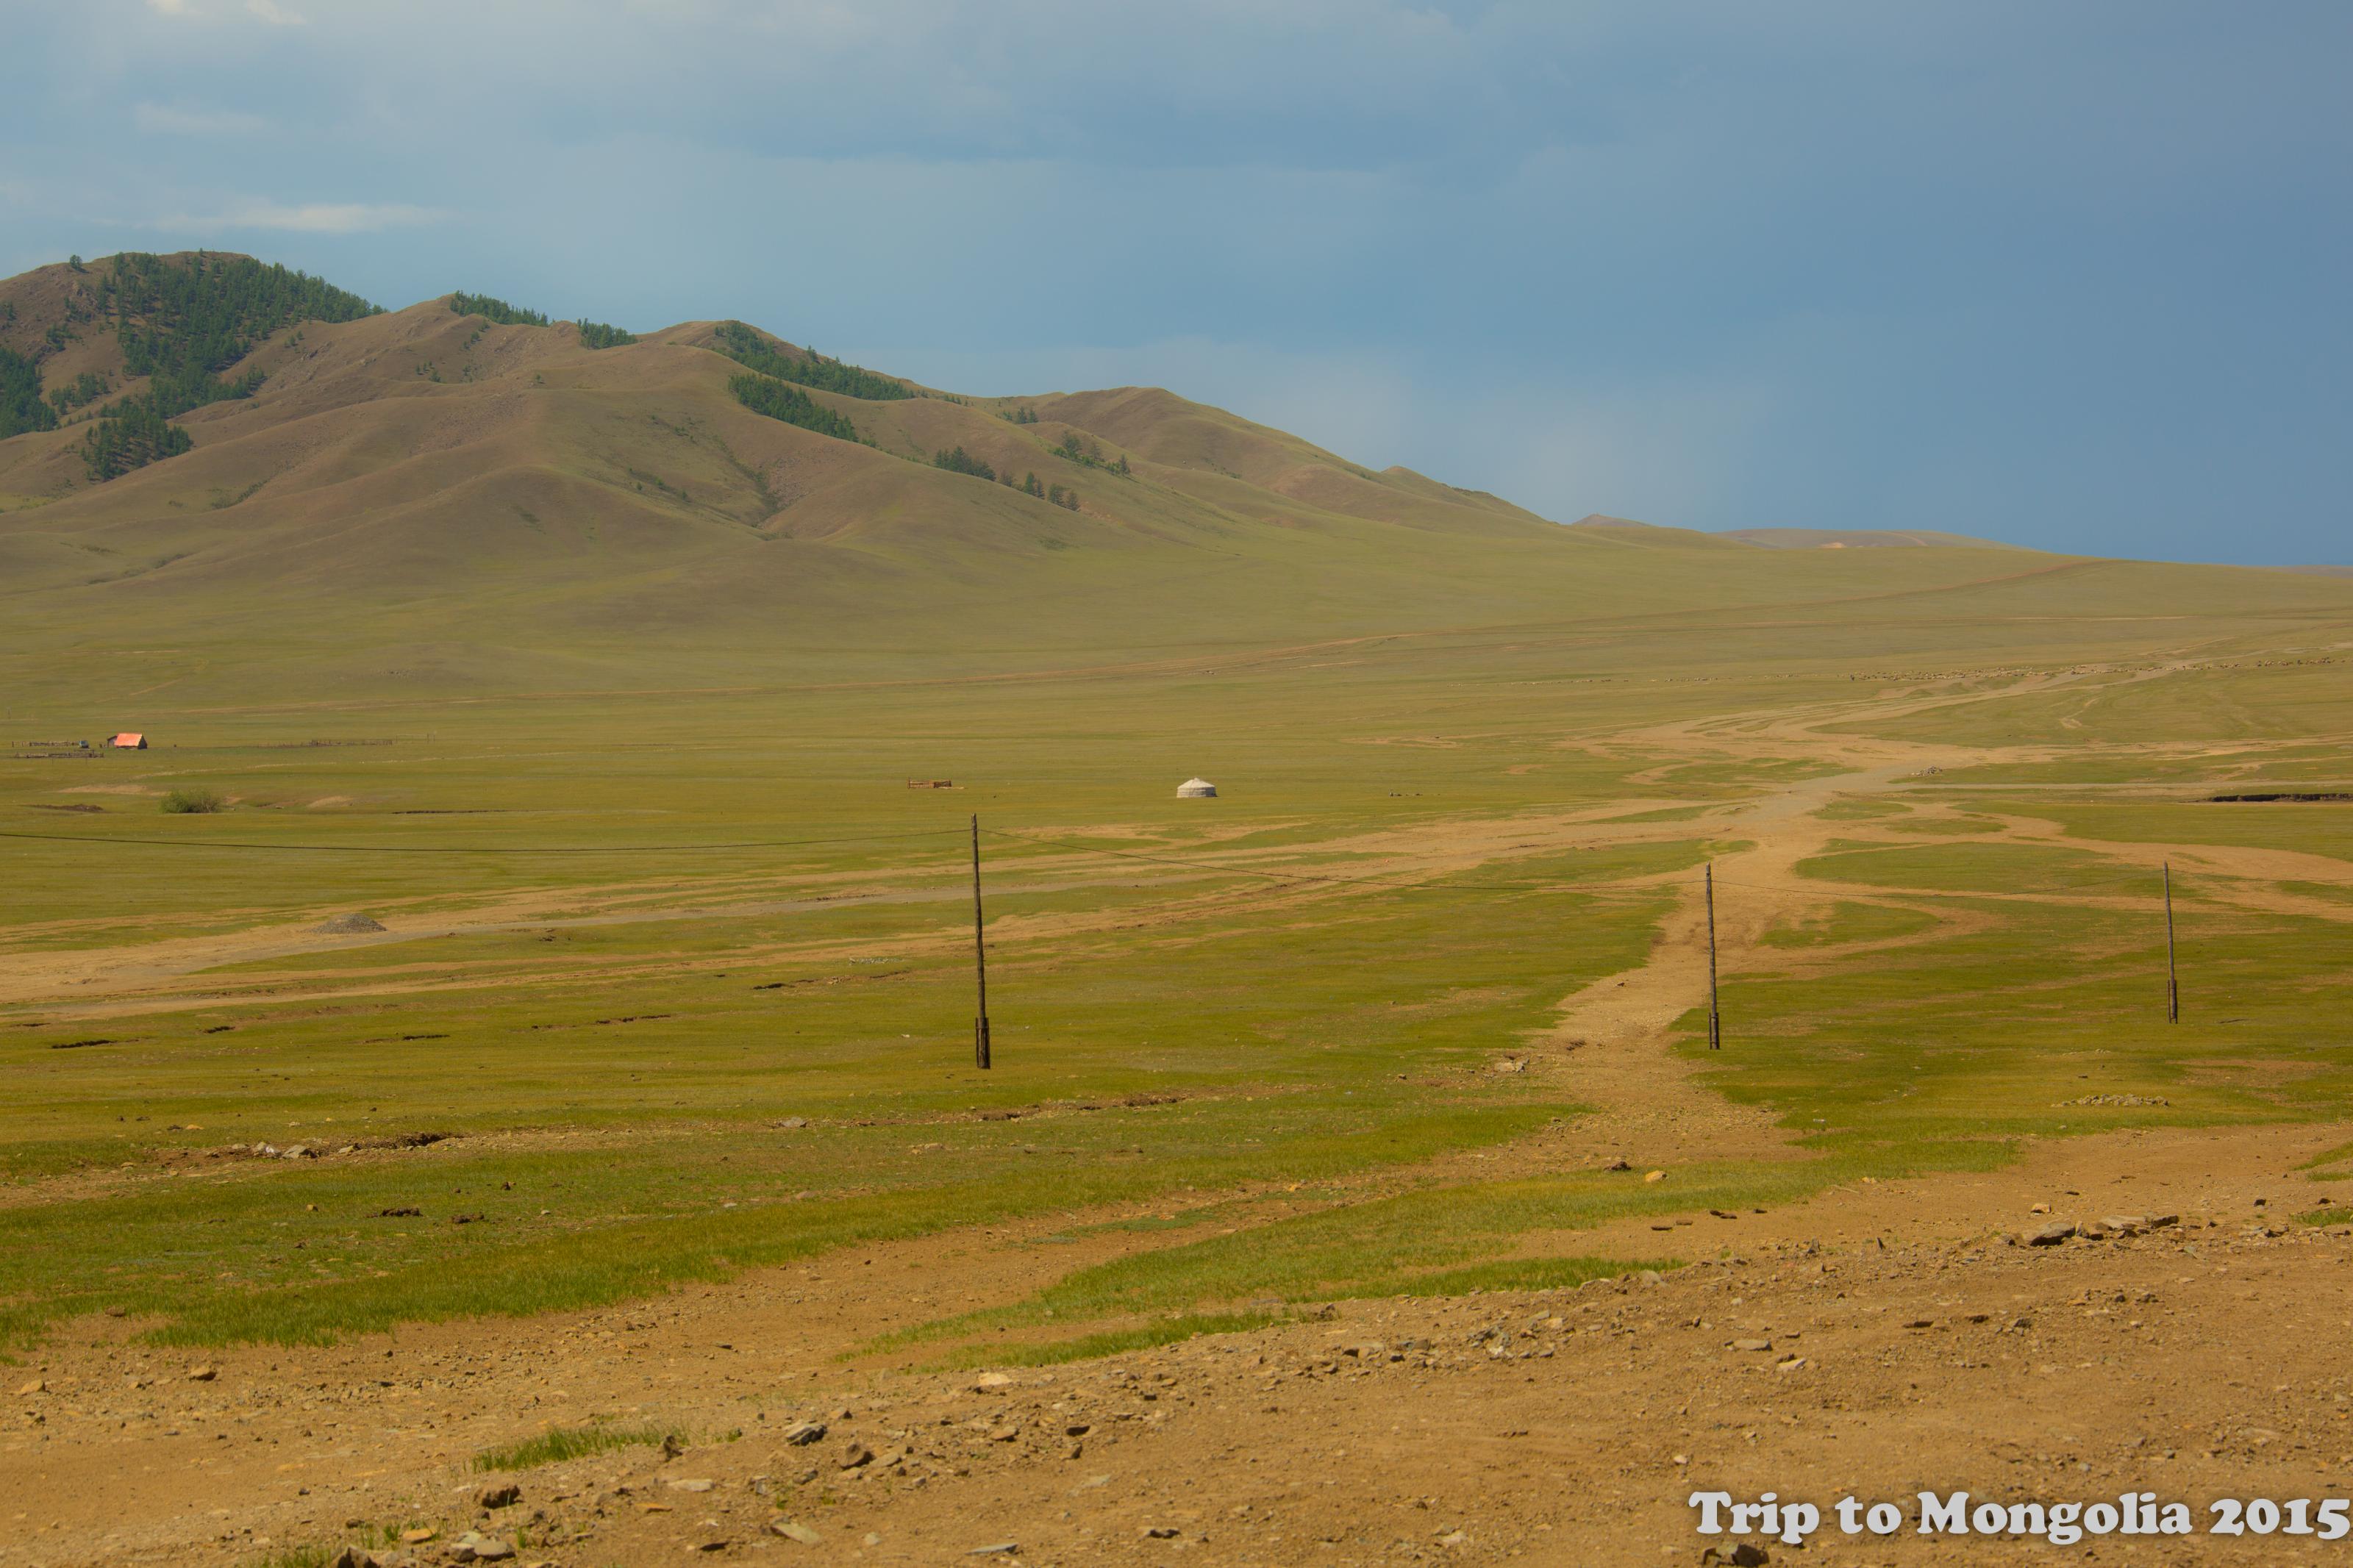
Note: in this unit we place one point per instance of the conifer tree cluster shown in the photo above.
(500, 313)
(22, 408)
(1024, 414)
(599, 335)
(87, 387)
(750, 350)
(1087, 452)
(778, 400)
(959, 461)
(132, 436)
(496, 311)
(181, 325)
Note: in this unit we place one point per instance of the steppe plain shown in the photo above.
(1353, 1183)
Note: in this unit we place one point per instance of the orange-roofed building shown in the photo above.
(129, 740)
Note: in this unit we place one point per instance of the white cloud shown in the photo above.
(169, 120)
(313, 218)
(171, 7)
(269, 12)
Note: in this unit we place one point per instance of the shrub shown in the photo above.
(192, 803)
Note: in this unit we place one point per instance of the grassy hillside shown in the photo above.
(504, 505)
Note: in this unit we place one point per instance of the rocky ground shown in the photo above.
(1881, 1341)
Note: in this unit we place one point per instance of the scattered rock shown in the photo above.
(855, 1455)
(348, 925)
(1752, 1344)
(991, 1380)
(1747, 1554)
(801, 1434)
(687, 1486)
(474, 1548)
(2051, 1234)
(418, 1536)
(1158, 1532)
(1001, 1549)
(1619, 1165)
(505, 1495)
(203, 1374)
(35, 1387)
(792, 1531)
(1655, 1175)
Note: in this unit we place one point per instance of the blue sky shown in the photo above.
(2073, 274)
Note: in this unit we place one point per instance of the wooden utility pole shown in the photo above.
(979, 959)
(2172, 974)
(1714, 1018)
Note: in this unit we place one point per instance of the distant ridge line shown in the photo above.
(1861, 538)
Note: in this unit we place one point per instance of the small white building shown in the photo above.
(1197, 789)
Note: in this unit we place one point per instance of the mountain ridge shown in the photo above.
(420, 478)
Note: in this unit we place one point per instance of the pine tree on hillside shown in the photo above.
(764, 394)
(22, 408)
(749, 349)
(181, 325)
(961, 462)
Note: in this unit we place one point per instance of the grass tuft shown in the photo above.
(558, 1443)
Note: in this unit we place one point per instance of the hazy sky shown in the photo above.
(2073, 274)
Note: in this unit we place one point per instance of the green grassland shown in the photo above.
(602, 693)
(617, 1036)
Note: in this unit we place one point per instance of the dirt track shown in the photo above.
(1878, 1340)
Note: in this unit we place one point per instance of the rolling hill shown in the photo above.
(455, 488)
